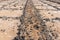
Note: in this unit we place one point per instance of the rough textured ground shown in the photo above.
(29, 20)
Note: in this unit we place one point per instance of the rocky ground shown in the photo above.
(12, 10)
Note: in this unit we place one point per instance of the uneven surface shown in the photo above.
(29, 20)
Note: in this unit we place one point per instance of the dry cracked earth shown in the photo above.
(29, 19)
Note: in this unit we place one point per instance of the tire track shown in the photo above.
(50, 5)
(55, 1)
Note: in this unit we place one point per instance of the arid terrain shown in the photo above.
(16, 13)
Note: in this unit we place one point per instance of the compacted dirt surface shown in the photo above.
(29, 20)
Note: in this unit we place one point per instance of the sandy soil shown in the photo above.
(9, 22)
